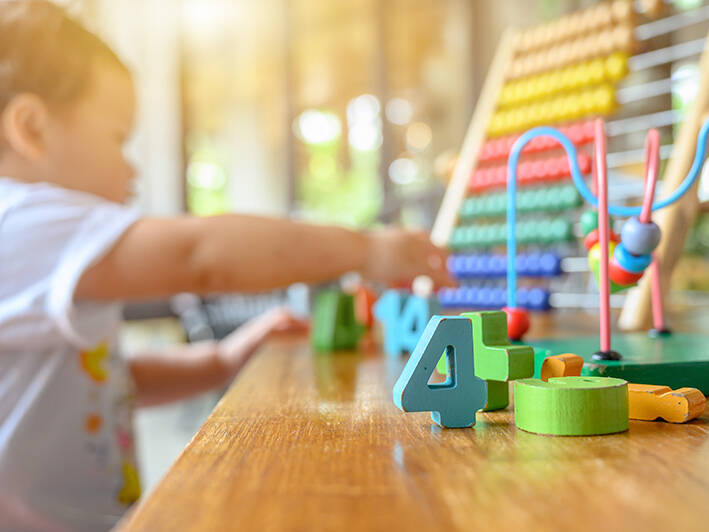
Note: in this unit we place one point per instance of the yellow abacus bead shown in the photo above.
(543, 85)
(565, 81)
(616, 66)
(605, 99)
(536, 86)
(554, 80)
(596, 71)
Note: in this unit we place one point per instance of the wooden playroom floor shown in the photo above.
(314, 442)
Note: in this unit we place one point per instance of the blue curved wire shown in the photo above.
(616, 210)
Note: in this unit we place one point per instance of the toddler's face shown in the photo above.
(84, 149)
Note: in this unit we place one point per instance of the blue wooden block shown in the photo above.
(454, 402)
(403, 317)
(387, 310)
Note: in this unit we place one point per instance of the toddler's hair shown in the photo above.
(45, 52)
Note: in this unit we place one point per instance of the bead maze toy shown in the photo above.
(595, 62)
(618, 262)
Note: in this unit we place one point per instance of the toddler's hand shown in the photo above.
(236, 349)
(396, 255)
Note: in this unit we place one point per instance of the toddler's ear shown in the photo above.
(24, 122)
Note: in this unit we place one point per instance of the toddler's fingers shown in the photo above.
(437, 262)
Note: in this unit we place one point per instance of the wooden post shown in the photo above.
(474, 138)
(676, 220)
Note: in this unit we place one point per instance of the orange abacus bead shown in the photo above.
(622, 10)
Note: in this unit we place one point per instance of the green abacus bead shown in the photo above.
(589, 222)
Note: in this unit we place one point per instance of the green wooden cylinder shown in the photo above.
(572, 406)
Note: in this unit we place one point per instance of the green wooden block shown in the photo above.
(498, 395)
(678, 360)
(495, 358)
(572, 406)
(334, 325)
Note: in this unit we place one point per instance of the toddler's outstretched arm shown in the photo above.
(186, 370)
(230, 253)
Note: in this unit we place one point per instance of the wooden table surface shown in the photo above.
(313, 442)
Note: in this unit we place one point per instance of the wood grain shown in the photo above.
(314, 442)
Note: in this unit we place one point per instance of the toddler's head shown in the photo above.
(66, 102)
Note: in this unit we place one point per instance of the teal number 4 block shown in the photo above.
(454, 402)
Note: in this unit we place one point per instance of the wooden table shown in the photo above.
(313, 442)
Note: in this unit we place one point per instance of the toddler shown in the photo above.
(71, 251)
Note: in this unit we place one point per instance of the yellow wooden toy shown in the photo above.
(564, 365)
(648, 402)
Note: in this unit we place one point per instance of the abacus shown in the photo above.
(565, 73)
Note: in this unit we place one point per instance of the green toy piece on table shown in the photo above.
(496, 360)
(572, 406)
(334, 325)
(454, 402)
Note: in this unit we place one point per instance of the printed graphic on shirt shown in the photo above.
(93, 423)
(130, 491)
(92, 362)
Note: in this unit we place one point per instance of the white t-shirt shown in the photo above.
(66, 438)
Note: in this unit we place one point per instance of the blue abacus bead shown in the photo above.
(455, 263)
(497, 266)
(445, 296)
(498, 297)
(475, 297)
(550, 264)
(639, 238)
(485, 297)
(630, 262)
(462, 266)
(484, 265)
(522, 297)
(538, 299)
(533, 266)
(521, 264)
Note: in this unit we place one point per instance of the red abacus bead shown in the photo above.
(620, 276)
(517, 322)
(523, 172)
(500, 175)
(592, 238)
(576, 134)
(584, 163)
(549, 167)
(538, 169)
